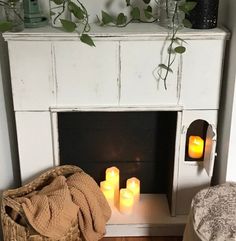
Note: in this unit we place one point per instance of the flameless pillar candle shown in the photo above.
(195, 147)
(133, 184)
(107, 189)
(113, 176)
(126, 201)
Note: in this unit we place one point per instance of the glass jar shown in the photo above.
(169, 15)
(15, 14)
(58, 12)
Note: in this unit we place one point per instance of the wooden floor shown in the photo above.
(143, 239)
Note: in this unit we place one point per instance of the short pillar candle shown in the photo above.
(133, 184)
(195, 147)
(107, 189)
(113, 176)
(126, 201)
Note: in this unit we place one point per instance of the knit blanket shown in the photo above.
(52, 210)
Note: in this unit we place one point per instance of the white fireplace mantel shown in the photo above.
(52, 71)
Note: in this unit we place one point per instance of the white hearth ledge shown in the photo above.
(150, 218)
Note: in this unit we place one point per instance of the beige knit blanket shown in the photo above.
(52, 210)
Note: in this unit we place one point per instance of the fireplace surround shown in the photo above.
(53, 74)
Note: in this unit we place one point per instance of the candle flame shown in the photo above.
(112, 173)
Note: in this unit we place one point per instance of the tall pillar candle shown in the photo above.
(133, 184)
(113, 176)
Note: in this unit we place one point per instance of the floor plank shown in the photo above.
(143, 239)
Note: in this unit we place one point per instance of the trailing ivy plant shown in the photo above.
(121, 20)
(77, 9)
(81, 15)
(176, 43)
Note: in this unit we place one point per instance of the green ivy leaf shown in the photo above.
(121, 19)
(135, 13)
(187, 6)
(163, 66)
(106, 18)
(58, 2)
(69, 26)
(127, 3)
(76, 10)
(180, 49)
(190, 5)
(85, 38)
(146, 1)
(187, 23)
(5, 26)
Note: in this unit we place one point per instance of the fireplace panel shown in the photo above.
(140, 144)
(65, 83)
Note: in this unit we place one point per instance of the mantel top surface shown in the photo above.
(132, 31)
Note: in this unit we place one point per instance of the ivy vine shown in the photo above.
(80, 13)
(176, 43)
(143, 14)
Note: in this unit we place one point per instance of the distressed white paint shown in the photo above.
(31, 75)
(201, 74)
(191, 175)
(86, 75)
(134, 31)
(140, 83)
(34, 134)
(117, 75)
(176, 162)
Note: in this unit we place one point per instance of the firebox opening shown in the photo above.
(140, 144)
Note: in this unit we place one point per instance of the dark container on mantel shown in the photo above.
(204, 15)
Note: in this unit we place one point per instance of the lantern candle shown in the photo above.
(126, 201)
(133, 184)
(195, 147)
(107, 189)
(113, 176)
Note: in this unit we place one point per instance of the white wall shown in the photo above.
(94, 7)
(9, 167)
(226, 160)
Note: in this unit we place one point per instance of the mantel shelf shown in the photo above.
(139, 31)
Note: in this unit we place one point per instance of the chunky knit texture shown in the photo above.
(52, 210)
(94, 210)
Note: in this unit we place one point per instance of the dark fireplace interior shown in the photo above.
(140, 144)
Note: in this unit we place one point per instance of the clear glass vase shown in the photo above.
(15, 14)
(58, 12)
(169, 14)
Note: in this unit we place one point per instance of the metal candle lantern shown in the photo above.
(204, 15)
